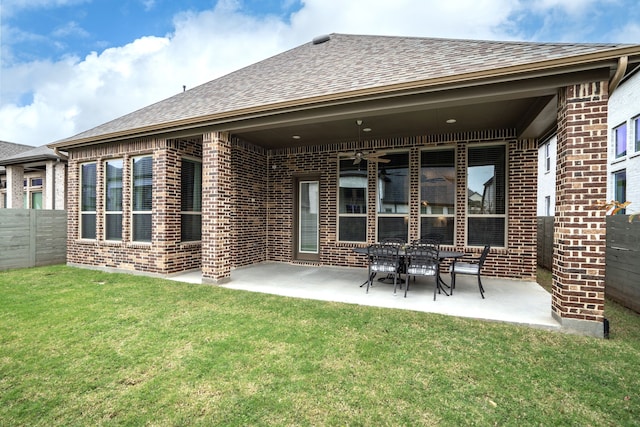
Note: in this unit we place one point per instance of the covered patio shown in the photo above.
(513, 301)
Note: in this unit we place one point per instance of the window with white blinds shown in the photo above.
(393, 197)
(352, 201)
(486, 195)
(113, 200)
(191, 201)
(142, 198)
(88, 201)
(438, 195)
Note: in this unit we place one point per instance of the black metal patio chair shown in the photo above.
(384, 258)
(422, 260)
(471, 266)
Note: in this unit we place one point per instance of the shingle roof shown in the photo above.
(34, 154)
(8, 149)
(344, 64)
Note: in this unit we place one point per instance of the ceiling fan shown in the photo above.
(359, 155)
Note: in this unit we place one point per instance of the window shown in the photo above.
(352, 201)
(620, 137)
(620, 188)
(142, 196)
(3, 193)
(486, 196)
(393, 197)
(36, 200)
(191, 203)
(32, 193)
(113, 200)
(88, 201)
(438, 195)
(547, 157)
(547, 205)
(636, 132)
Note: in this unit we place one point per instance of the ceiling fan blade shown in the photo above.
(380, 160)
(357, 160)
(376, 154)
(349, 155)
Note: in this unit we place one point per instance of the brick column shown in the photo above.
(216, 210)
(15, 187)
(60, 188)
(580, 229)
(49, 185)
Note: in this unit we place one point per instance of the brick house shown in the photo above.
(262, 164)
(624, 142)
(33, 179)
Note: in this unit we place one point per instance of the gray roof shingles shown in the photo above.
(343, 64)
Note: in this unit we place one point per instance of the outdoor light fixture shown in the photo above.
(451, 121)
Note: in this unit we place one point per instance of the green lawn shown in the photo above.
(79, 347)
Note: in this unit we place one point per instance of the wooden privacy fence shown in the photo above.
(623, 261)
(545, 241)
(622, 272)
(30, 238)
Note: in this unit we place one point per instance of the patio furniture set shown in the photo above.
(393, 257)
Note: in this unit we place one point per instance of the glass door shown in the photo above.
(308, 217)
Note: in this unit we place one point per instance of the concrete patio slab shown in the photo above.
(506, 300)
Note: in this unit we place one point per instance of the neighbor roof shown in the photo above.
(341, 66)
(8, 149)
(34, 154)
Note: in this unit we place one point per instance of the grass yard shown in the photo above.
(80, 347)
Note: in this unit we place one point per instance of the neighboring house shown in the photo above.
(266, 163)
(34, 179)
(624, 143)
(547, 176)
(8, 149)
(623, 165)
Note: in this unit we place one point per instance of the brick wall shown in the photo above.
(165, 254)
(517, 259)
(580, 229)
(248, 203)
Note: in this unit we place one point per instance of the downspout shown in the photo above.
(620, 72)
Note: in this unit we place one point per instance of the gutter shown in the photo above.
(623, 62)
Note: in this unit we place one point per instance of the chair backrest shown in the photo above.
(483, 256)
(393, 241)
(385, 255)
(421, 259)
(427, 242)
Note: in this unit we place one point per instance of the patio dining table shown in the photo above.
(442, 255)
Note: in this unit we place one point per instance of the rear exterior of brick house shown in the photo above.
(250, 194)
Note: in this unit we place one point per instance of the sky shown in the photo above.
(67, 66)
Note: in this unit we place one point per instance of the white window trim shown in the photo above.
(104, 200)
(351, 215)
(409, 200)
(133, 213)
(80, 202)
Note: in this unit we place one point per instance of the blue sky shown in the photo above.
(69, 65)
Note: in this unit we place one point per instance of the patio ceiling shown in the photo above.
(527, 106)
